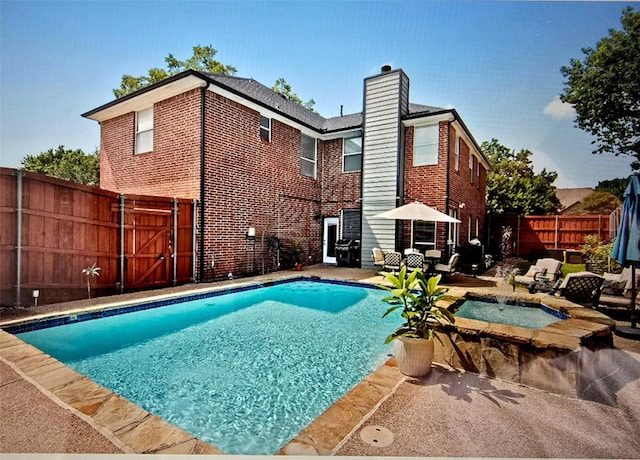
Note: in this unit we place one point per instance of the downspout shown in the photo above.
(447, 195)
(203, 90)
(122, 248)
(18, 302)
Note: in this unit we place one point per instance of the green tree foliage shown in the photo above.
(281, 86)
(614, 186)
(202, 60)
(605, 90)
(512, 185)
(71, 165)
(597, 203)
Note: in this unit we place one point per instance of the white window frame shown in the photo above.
(417, 155)
(144, 130)
(266, 129)
(430, 244)
(345, 154)
(457, 158)
(472, 169)
(309, 160)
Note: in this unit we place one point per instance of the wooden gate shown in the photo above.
(149, 255)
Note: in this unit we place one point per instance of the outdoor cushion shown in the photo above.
(613, 287)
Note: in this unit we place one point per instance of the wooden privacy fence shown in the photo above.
(539, 236)
(50, 230)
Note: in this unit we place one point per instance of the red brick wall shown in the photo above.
(250, 182)
(340, 190)
(429, 184)
(172, 168)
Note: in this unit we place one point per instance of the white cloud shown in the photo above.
(560, 110)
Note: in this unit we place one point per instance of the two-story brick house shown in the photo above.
(258, 162)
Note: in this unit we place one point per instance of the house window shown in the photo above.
(424, 235)
(352, 154)
(144, 131)
(477, 227)
(308, 156)
(265, 128)
(351, 224)
(425, 145)
(457, 159)
(469, 231)
(472, 166)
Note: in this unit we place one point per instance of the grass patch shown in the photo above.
(572, 268)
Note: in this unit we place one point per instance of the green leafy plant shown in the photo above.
(417, 297)
(91, 272)
(598, 255)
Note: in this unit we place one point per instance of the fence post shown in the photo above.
(122, 255)
(18, 299)
(194, 231)
(174, 255)
(518, 238)
(555, 245)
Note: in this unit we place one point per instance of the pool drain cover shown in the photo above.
(376, 436)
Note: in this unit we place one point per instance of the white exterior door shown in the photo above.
(329, 238)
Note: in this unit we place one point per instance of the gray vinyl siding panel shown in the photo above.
(383, 104)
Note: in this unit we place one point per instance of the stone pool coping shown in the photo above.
(134, 430)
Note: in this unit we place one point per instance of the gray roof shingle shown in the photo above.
(252, 89)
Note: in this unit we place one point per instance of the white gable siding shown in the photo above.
(385, 100)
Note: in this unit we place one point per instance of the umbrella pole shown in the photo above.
(634, 293)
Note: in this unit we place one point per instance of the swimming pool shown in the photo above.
(244, 371)
(514, 313)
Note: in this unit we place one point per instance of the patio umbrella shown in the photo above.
(417, 211)
(626, 249)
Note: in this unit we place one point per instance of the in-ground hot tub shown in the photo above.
(557, 357)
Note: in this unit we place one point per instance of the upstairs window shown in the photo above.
(265, 128)
(308, 156)
(352, 154)
(425, 145)
(472, 166)
(457, 159)
(144, 131)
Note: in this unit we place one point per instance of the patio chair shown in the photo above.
(377, 256)
(447, 269)
(582, 287)
(414, 260)
(549, 269)
(392, 261)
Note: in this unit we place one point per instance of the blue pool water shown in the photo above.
(530, 316)
(244, 371)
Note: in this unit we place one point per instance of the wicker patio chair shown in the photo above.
(582, 287)
(392, 261)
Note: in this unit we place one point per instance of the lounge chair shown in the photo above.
(414, 260)
(616, 289)
(447, 269)
(377, 256)
(547, 268)
(582, 287)
(392, 261)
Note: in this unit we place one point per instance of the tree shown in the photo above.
(512, 185)
(281, 86)
(596, 203)
(616, 187)
(605, 90)
(202, 60)
(72, 165)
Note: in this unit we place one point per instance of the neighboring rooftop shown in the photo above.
(570, 197)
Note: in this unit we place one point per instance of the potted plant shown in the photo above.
(417, 298)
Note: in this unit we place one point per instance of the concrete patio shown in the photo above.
(451, 413)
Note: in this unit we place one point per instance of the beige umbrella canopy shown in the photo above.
(417, 211)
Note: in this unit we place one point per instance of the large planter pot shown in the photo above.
(414, 356)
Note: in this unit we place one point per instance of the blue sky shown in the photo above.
(497, 63)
